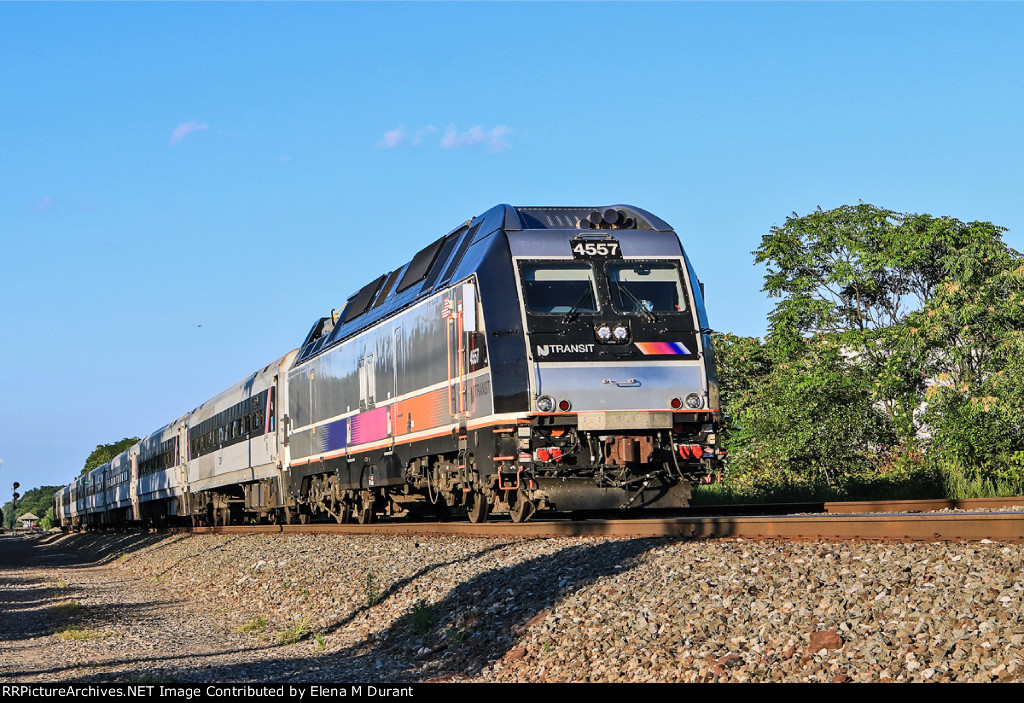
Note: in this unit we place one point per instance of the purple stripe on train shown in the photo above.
(332, 435)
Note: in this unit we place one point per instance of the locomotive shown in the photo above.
(532, 359)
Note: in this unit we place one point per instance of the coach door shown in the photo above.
(181, 458)
(133, 459)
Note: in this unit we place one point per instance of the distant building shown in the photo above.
(28, 521)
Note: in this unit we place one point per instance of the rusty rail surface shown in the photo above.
(909, 506)
(997, 526)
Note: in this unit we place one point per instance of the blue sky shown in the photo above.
(185, 188)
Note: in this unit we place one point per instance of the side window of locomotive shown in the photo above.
(559, 288)
(638, 287)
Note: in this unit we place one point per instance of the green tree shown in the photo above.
(921, 316)
(48, 519)
(799, 418)
(970, 337)
(105, 452)
(36, 501)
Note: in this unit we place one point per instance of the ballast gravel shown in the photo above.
(326, 608)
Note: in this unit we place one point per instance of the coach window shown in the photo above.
(559, 288)
(640, 287)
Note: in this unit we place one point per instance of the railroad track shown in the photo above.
(884, 520)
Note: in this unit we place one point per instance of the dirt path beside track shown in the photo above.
(72, 615)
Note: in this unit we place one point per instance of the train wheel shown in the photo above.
(523, 510)
(479, 508)
(365, 515)
(344, 514)
(290, 516)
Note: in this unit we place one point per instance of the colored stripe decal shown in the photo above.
(652, 348)
(333, 435)
(370, 425)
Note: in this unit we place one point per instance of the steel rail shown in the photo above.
(900, 527)
(908, 506)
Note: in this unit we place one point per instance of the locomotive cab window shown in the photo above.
(639, 287)
(559, 288)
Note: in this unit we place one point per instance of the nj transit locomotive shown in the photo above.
(531, 359)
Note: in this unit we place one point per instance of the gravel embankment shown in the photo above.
(397, 609)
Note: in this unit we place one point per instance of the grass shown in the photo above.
(371, 589)
(950, 483)
(67, 609)
(906, 477)
(959, 484)
(79, 633)
(321, 641)
(420, 617)
(295, 633)
(255, 626)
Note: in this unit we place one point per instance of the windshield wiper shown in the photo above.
(574, 311)
(648, 315)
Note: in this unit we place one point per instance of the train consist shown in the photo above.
(532, 359)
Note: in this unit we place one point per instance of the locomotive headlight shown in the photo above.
(546, 404)
(694, 401)
(604, 333)
(620, 333)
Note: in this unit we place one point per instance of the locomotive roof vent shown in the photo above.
(619, 216)
(609, 219)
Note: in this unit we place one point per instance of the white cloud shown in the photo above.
(417, 137)
(393, 138)
(401, 135)
(185, 129)
(492, 139)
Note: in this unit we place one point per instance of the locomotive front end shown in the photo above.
(624, 397)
